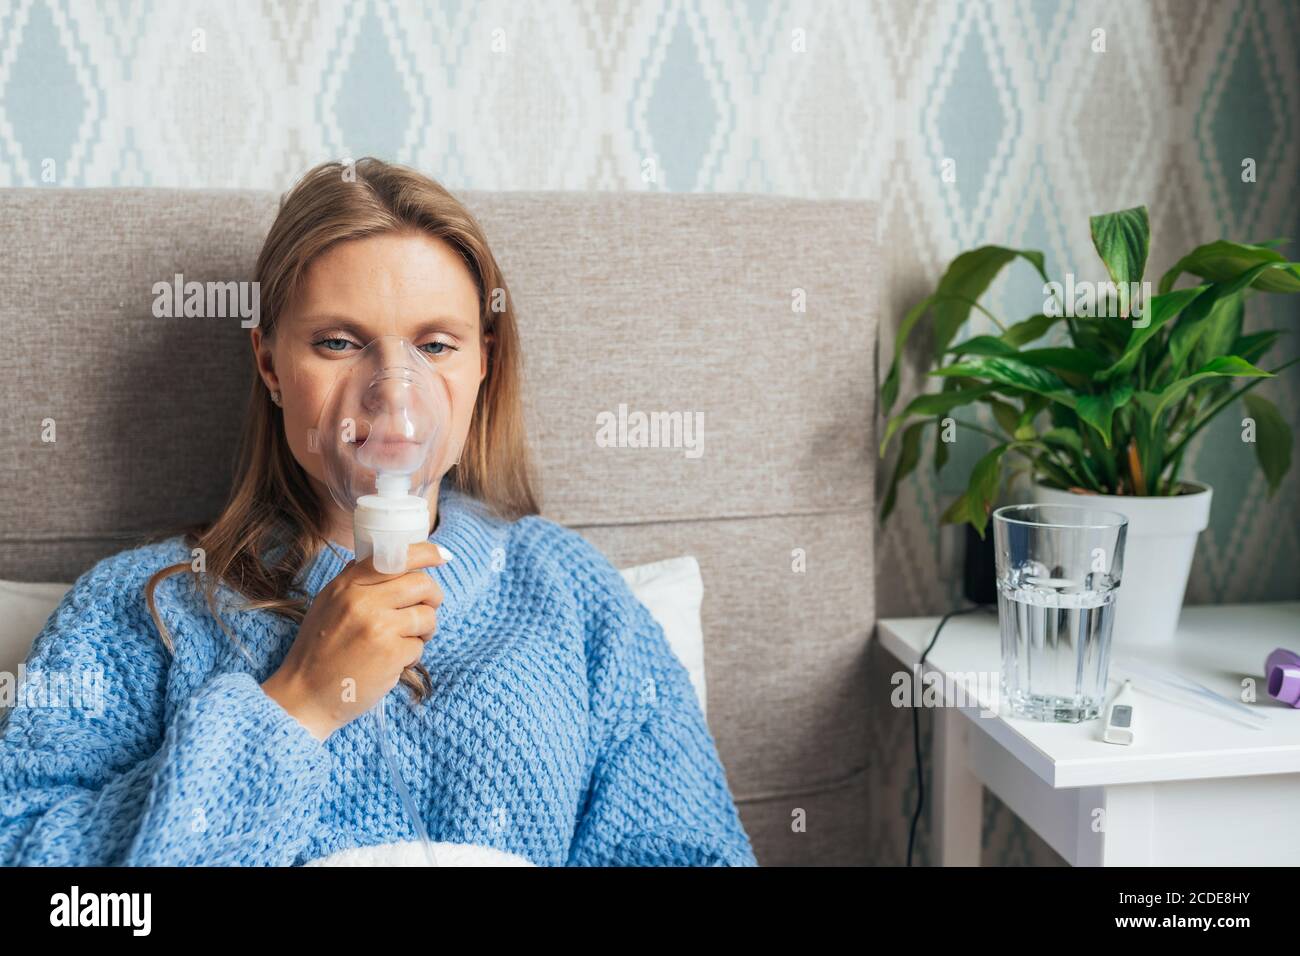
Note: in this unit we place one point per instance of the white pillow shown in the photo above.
(24, 609)
(671, 590)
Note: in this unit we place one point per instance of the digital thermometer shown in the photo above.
(1119, 716)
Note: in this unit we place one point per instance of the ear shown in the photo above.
(263, 359)
(488, 340)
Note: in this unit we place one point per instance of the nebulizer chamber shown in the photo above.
(383, 436)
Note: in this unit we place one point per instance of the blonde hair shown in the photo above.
(271, 505)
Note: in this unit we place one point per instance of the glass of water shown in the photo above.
(1059, 569)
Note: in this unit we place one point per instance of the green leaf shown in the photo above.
(1106, 337)
(1034, 327)
(1254, 346)
(1222, 261)
(1097, 410)
(908, 458)
(1014, 373)
(973, 505)
(1033, 404)
(1272, 440)
(1158, 312)
(1222, 329)
(1071, 360)
(1225, 366)
(1106, 459)
(1219, 404)
(967, 278)
(932, 403)
(1193, 323)
(1058, 476)
(1122, 239)
(982, 345)
(1212, 323)
(1064, 438)
(889, 388)
(1004, 413)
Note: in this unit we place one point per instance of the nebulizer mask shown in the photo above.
(383, 436)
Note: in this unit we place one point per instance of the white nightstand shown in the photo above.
(1192, 790)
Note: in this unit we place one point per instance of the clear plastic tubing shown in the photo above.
(385, 744)
(1178, 689)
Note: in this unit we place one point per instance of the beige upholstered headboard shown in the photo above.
(685, 303)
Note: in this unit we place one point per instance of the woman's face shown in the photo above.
(407, 284)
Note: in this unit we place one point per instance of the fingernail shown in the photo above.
(446, 555)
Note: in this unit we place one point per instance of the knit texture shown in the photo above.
(562, 728)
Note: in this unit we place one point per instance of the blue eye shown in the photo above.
(336, 344)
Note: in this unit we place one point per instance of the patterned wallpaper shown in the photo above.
(819, 98)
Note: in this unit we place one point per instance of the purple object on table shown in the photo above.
(1282, 669)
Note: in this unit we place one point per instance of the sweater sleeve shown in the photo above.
(97, 777)
(658, 793)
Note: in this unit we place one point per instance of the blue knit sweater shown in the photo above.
(561, 728)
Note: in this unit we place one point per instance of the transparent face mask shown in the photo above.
(383, 436)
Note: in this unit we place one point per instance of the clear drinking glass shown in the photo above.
(1059, 570)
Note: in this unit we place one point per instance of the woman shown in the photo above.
(544, 718)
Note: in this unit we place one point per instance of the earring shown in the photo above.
(275, 397)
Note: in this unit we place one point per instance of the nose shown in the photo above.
(391, 351)
(389, 391)
(394, 375)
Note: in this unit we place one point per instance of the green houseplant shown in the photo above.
(1110, 412)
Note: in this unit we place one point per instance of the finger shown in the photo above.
(414, 587)
(423, 554)
(418, 620)
(415, 649)
(342, 579)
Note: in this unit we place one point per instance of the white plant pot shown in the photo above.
(1161, 540)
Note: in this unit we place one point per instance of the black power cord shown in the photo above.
(916, 727)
